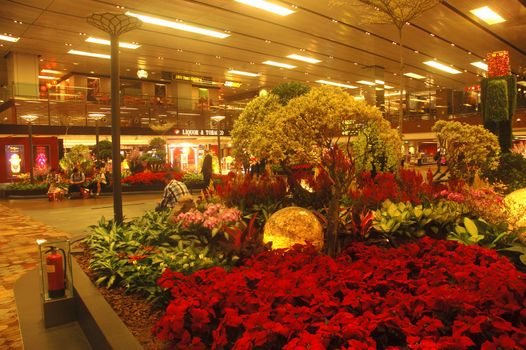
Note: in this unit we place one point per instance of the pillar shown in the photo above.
(22, 74)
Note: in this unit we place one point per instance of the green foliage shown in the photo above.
(250, 123)
(135, 254)
(469, 149)
(105, 151)
(487, 99)
(192, 178)
(378, 147)
(78, 154)
(477, 232)
(511, 171)
(407, 220)
(158, 147)
(288, 91)
(497, 100)
(23, 186)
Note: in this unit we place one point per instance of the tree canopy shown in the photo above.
(468, 148)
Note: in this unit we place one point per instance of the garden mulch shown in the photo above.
(133, 310)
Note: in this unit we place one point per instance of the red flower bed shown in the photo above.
(426, 295)
(149, 178)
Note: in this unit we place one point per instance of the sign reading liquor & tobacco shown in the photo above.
(200, 132)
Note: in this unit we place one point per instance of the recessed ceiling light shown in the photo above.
(333, 83)
(303, 58)
(381, 82)
(9, 38)
(365, 82)
(76, 63)
(51, 71)
(414, 75)
(89, 54)
(442, 67)
(279, 64)
(267, 6)
(107, 42)
(480, 65)
(240, 72)
(178, 25)
(487, 15)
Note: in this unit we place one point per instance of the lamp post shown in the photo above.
(30, 118)
(97, 117)
(218, 119)
(115, 24)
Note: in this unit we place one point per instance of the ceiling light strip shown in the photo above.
(279, 64)
(303, 58)
(107, 42)
(480, 65)
(333, 83)
(240, 72)
(442, 67)
(89, 54)
(178, 25)
(9, 38)
(267, 6)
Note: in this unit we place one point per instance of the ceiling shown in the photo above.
(332, 31)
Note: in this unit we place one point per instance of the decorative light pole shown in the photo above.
(97, 117)
(115, 24)
(30, 118)
(218, 119)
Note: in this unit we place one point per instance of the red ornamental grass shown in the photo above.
(427, 295)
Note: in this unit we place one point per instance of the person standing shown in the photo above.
(206, 169)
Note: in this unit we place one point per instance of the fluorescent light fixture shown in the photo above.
(333, 83)
(487, 15)
(51, 71)
(267, 6)
(395, 93)
(521, 82)
(480, 65)
(279, 64)
(47, 77)
(240, 72)
(442, 67)
(217, 118)
(178, 25)
(303, 58)
(414, 75)
(365, 82)
(388, 87)
(89, 54)
(381, 82)
(9, 38)
(107, 42)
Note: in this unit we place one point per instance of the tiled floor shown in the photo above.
(23, 221)
(18, 254)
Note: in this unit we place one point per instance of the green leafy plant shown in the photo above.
(477, 232)
(135, 254)
(193, 179)
(77, 155)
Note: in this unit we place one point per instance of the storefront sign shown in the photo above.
(194, 79)
(200, 132)
(14, 155)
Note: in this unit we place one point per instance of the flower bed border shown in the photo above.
(101, 325)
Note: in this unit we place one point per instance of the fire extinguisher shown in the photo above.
(56, 272)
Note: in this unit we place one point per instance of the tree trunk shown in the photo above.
(333, 222)
(400, 105)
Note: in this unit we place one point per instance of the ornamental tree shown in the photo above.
(469, 149)
(315, 128)
(77, 155)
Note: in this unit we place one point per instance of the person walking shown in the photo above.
(206, 169)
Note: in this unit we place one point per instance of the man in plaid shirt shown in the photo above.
(172, 192)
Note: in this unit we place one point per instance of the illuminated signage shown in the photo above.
(200, 132)
(14, 155)
(233, 84)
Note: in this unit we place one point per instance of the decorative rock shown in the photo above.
(517, 204)
(293, 225)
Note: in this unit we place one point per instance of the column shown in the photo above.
(22, 74)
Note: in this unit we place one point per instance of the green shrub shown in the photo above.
(511, 171)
